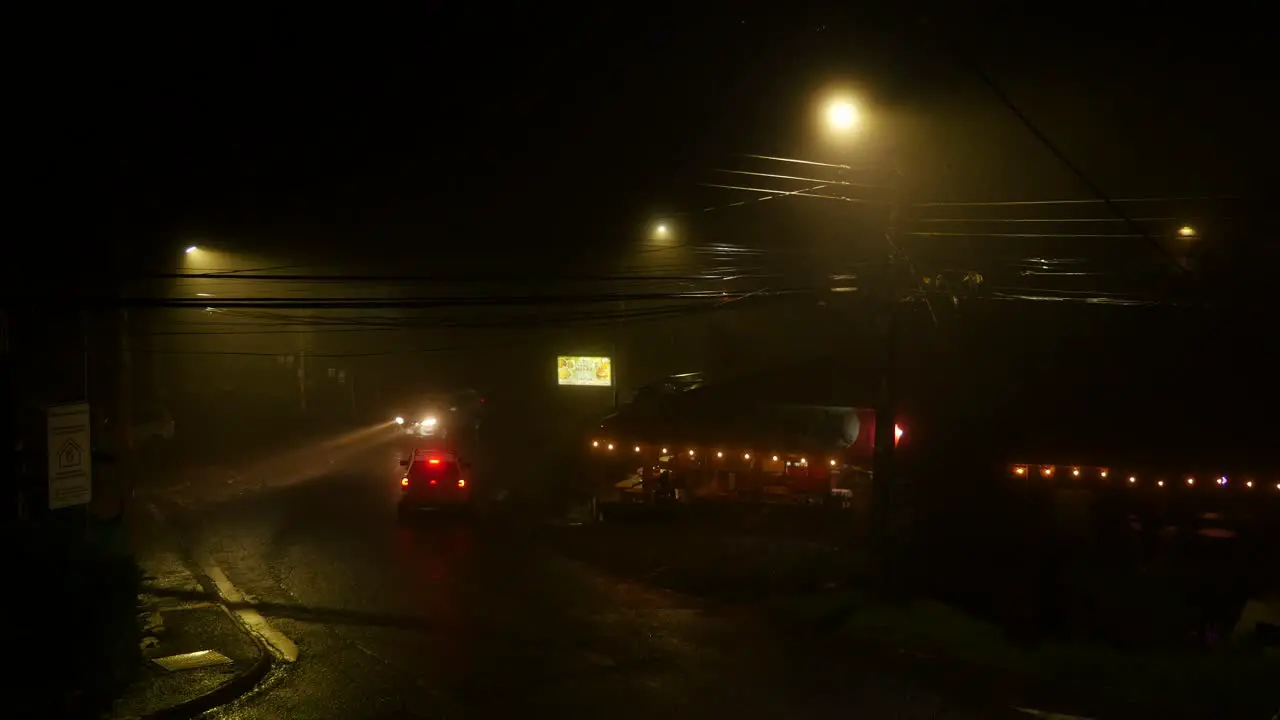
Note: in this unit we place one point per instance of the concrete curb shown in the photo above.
(227, 692)
(245, 681)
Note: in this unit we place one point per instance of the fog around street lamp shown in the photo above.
(191, 249)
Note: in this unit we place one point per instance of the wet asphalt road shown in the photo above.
(487, 619)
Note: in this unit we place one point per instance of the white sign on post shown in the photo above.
(70, 463)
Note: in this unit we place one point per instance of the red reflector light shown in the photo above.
(433, 482)
(462, 483)
(897, 433)
(433, 461)
(404, 482)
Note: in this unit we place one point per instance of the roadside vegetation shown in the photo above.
(1133, 640)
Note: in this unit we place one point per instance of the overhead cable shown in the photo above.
(1072, 201)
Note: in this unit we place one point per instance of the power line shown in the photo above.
(430, 302)
(1057, 220)
(1046, 297)
(774, 193)
(795, 177)
(1044, 139)
(403, 323)
(1076, 201)
(771, 193)
(579, 319)
(598, 318)
(1025, 235)
(797, 161)
(308, 331)
(320, 279)
(340, 303)
(739, 203)
(601, 319)
(275, 320)
(407, 351)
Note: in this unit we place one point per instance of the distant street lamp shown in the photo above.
(1186, 231)
(842, 115)
(191, 249)
(661, 231)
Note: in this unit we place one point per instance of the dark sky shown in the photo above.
(555, 131)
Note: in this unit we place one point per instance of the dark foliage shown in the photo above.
(78, 638)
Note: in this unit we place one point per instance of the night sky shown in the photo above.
(563, 133)
(535, 143)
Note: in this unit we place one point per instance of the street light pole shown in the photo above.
(841, 115)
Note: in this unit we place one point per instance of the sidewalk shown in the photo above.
(195, 654)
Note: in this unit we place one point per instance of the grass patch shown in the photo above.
(708, 562)
(814, 586)
(1239, 675)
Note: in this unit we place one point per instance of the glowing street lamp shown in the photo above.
(191, 249)
(661, 230)
(1186, 231)
(842, 115)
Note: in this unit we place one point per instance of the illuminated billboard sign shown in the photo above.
(591, 371)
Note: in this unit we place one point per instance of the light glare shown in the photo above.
(842, 115)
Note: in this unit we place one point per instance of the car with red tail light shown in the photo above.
(435, 480)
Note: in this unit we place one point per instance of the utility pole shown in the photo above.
(613, 361)
(304, 344)
(883, 480)
(302, 380)
(351, 388)
(84, 351)
(613, 377)
(124, 386)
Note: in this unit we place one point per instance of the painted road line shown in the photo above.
(281, 646)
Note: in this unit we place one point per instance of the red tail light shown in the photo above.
(897, 433)
(433, 461)
(433, 482)
(462, 483)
